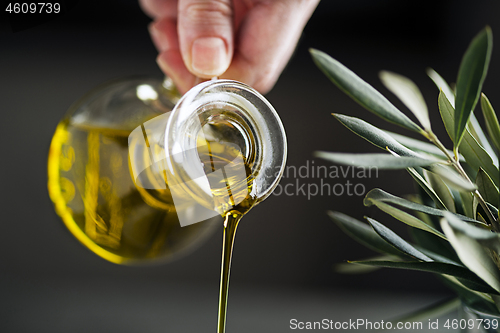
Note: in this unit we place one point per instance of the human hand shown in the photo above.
(246, 40)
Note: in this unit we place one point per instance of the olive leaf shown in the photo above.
(471, 75)
(447, 112)
(406, 218)
(475, 155)
(360, 91)
(399, 243)
(362, 233)
(475, 129)
(468, 204)
(433, 243)
(491, 121)
(470, 252)
(484, 236)
(348, 268)
(486, 187)
(465, 276)
(493, 209)
(442, 85)
(374, 135)
(441, 190)
(426, 187)
(437, 257)
(453, 179)
(380, 195)
(409, 94)
(421, 146)
(380, 161)
(477, 133)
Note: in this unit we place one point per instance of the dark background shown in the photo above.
(286, 247)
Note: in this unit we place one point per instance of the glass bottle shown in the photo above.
(132, 170)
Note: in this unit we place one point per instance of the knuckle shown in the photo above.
(207, 11)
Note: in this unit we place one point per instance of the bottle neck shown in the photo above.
(221, 144)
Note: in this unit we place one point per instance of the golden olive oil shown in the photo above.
(236, 204)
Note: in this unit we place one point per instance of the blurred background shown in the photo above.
(286, 248)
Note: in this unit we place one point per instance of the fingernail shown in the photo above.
(209, 56)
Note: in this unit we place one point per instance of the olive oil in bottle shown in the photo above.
(95, 195)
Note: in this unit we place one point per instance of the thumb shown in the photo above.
(206, 36)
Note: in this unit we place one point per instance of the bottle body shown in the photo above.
(91, 185)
